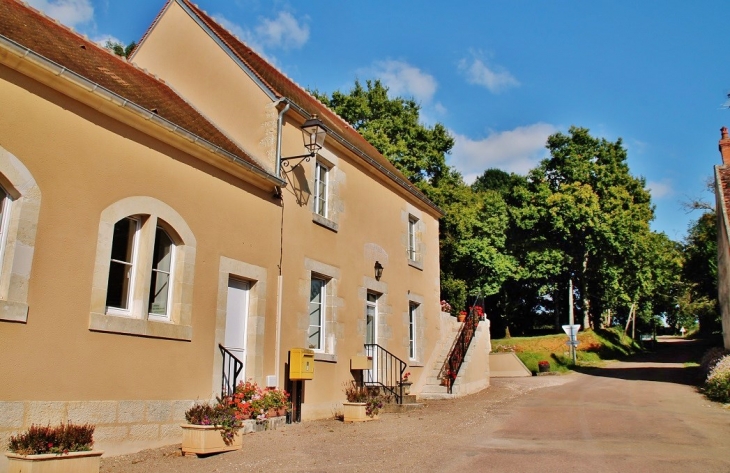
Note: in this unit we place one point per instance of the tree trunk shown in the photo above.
(584, 295)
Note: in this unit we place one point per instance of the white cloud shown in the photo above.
(283, 32)
(517, 150)
(660, 189)
(477, 72)
(405, 80)
(68, 12)
(101, 40)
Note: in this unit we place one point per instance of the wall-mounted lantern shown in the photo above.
(378, 270)
(314, 133)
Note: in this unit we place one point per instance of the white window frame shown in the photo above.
(412, 238)
(5, 223)
(321, 175)
(177, 324)
(374, 306)
(322, 312)
(132, 270)
(170, 275)
(413, 308)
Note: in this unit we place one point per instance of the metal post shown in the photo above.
(571, 318)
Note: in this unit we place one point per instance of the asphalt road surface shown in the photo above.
(639, 416)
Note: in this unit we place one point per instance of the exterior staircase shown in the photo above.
(473, 375)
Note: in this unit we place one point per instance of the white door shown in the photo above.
(236, 317)
(371, 336)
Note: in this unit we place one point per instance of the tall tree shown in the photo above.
(583, 207)
(393, 126)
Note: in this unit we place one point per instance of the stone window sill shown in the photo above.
(415, 264)
(144, 328)
(325, 222)
(13, 311)
(325, 357)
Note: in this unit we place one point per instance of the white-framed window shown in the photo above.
(371, 318)
(5, 203)
(412, 317)
(317, 308)
(161, 280)
(412, 238)
(128, 266)
(321, 190)
(121, 266)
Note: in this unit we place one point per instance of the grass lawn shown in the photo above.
(595, 347)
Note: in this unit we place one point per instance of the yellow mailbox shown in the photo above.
(301, 364)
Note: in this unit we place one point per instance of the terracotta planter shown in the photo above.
(355, 412)
(461, 317)
(73, 462)
(204, 439)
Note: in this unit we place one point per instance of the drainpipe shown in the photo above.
(280, 279)
(279, 125)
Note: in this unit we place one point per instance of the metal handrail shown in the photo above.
(461, 346)
(387, 372)
(230, 370)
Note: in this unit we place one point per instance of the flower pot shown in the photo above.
(73, 462)
(355, 412)
(461, 317)
(406, 385)
(543, 368)
(204, 439)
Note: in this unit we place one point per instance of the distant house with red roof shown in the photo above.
(722, 194)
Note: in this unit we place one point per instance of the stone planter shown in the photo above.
(73, 462)
(355, 412)
(406, 385)
(205, 439)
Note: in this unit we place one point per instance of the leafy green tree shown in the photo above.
(586, 215)
(120, 49)
(392, 126)
(699, 273)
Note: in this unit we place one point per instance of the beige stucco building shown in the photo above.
(145, 223)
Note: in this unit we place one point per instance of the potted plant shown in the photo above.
(362, 403)
(406, 383)
(462, 316)
(543, 366)
(212, 428)
(65, 448)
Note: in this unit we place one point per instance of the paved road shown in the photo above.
(639, 416)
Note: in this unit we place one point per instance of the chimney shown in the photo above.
(724, 146)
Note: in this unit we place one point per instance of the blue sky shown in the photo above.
(502, 76)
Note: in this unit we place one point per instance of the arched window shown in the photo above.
(20, 200)
(145, 254)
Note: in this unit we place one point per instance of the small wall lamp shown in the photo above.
(378, 270)
(314, 133)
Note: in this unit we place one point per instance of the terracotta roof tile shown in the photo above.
(76, 53)
(282, 86)
(724, 184)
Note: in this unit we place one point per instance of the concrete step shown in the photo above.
(435, 396)
(397, 408)
(432, 388)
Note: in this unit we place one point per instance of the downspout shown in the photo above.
(280, 278)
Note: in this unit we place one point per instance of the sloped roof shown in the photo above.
(723, 172)
(57, 43)
(283, 87)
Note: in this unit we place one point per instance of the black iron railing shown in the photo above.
(386, 373)
(461, 347)
(231, 368)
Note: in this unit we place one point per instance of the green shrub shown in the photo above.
(61, 439)
(717, 386)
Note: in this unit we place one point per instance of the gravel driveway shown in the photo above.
(629, 416)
